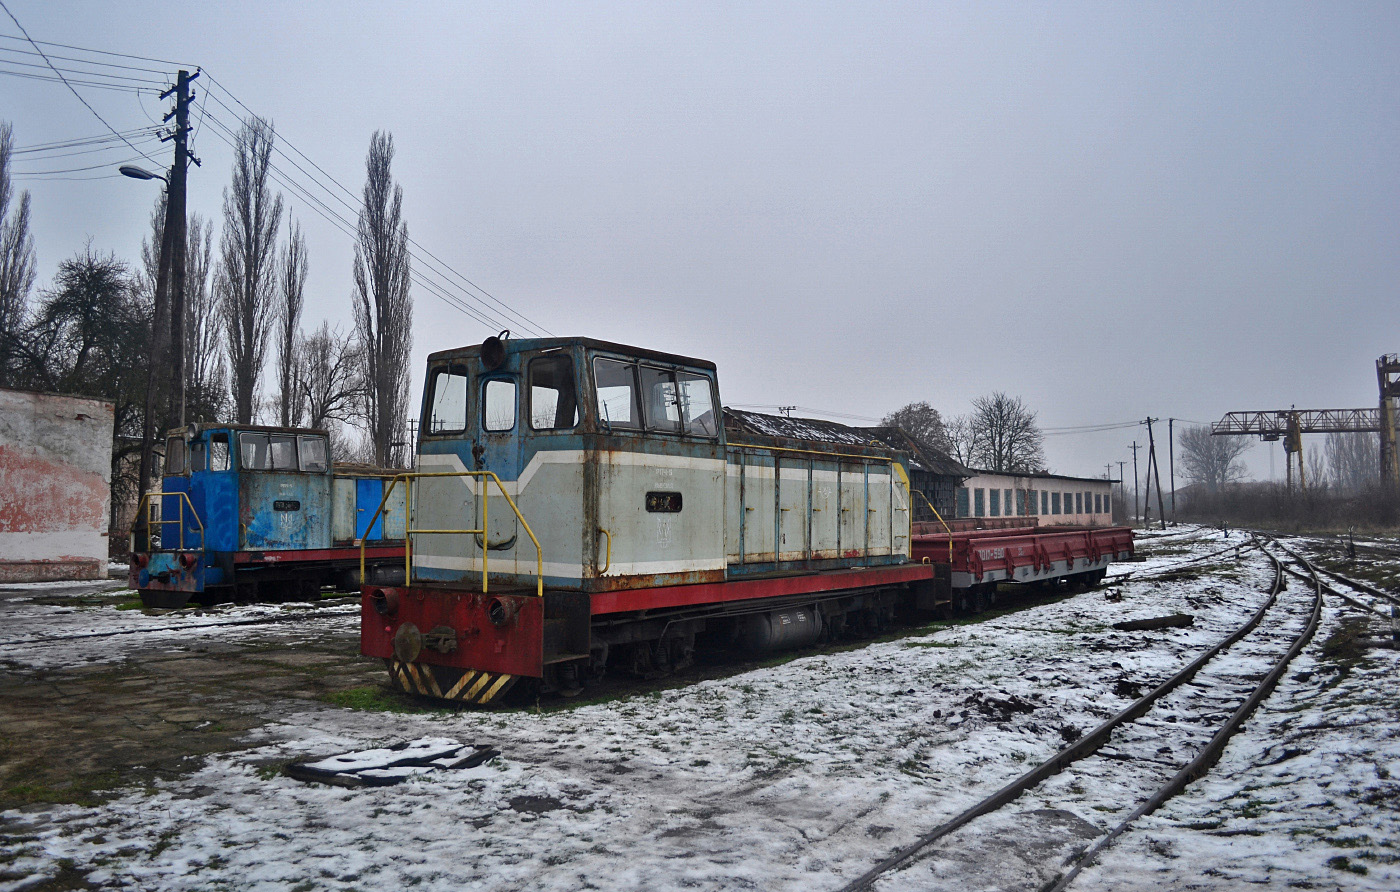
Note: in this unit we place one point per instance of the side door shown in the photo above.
(498, 442)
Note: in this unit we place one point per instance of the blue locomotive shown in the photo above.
(249, 512)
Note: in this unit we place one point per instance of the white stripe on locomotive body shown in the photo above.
(549, 493)
(734, 511)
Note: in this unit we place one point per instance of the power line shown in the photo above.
(520, 318)
(79, 60)
(223, 132)
(68, 85)
(419, 272)
(83, 49)
(431, 272)
(103, 74)
(96, 85)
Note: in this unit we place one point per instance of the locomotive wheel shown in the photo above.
(978, 594)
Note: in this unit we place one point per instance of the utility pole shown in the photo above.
(176, 216)
(1122, 490)
(1153, 467)
(1171, 463)
(168, 323)
(1136, 512)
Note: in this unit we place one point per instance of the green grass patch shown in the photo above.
(1342, 862)
(376, 699)
(88, 791)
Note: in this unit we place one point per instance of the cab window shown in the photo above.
(697, 405)
(553, 399)
(267, 452)
(616, 383)
(218, 452)
(662, 412)
(447, 409)
(498, 405)
(313, 453)
(175, 456)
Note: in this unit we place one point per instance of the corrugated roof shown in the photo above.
(813, 429)
(933, 459)
(925, 457)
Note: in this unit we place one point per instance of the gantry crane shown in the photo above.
(1289, 425)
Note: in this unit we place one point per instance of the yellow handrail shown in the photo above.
(149, 506)
(410, 480)
(940, 520)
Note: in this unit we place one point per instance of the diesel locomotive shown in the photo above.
(260, 513)
(579, 504)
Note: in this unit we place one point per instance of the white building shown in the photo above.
(1052, 499)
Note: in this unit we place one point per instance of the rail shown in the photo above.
(148, 506)
(409, 531)
(1092, 741)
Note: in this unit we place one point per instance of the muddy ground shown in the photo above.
(68, 732)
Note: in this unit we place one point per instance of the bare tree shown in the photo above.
(1211, 461)
(1317, 468)
(923, 422)
(383, 306)
(16, 264)
(206, 375)
(1354, 459)
(246, 281)
(1004, 436)
(291, 281)
(331, 374)
(961, 438)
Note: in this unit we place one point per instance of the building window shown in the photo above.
(962, 502)
(1079, 503)
(1098, 503)
(1054, 503)
(1044, 502)
(1006, 500)
(996, 503)
(1108, 503)
(977, 496)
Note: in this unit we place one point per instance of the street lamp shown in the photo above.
(137, 173)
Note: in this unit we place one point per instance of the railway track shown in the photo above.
(1163, 741)
(283, 617)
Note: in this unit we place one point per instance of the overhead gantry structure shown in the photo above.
(1289, 425)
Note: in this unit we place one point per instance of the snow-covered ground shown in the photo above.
(58, 630)
(795, 777)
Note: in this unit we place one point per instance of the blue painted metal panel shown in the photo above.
(368, 493)
(284, 510)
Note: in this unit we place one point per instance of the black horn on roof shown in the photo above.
(493, 351)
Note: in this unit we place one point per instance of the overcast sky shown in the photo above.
(1109, 210)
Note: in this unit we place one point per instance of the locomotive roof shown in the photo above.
(513, 344)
